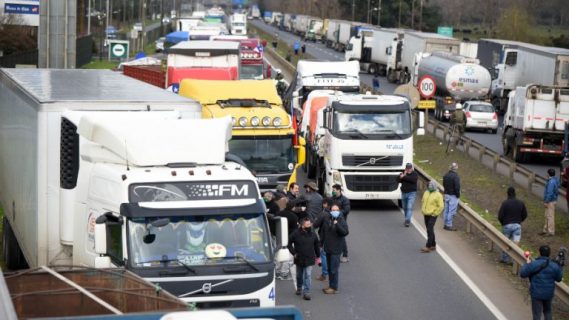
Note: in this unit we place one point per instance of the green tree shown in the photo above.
(515, 24)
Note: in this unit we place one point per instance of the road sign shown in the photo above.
(118, 49)
(426, 104)
(445, 31)
(427, 86)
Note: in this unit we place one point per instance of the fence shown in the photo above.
(84, 50)
(26, 57)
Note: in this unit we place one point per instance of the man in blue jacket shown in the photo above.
(549, 200)
(542, 274)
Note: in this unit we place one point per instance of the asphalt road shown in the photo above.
(539, 165)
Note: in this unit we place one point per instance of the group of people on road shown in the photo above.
(432, 203)
(317, 229)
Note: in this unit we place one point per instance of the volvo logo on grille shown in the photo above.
(371, 160)
(206, 288)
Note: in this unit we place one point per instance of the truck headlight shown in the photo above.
(266, 121)
(255, 121)
(243, 121)
(277, 122)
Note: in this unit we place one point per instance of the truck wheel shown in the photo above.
(518, 156)
(382, 71)
(372, 69)
(13, 256)
(506, 145)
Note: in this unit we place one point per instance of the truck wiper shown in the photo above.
(359, 133)
(190, 269)
(392, 131)
(247, 262)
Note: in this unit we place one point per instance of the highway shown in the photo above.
(321, 52)
(389, 278)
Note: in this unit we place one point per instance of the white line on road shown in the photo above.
(461, 274)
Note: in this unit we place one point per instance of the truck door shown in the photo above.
(562, 71)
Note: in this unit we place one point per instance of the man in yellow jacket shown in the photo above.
(432, 206)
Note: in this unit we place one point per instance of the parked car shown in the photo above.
(160, 44)
(111, 32)
(481, 115)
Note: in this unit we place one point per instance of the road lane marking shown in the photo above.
(462, 275)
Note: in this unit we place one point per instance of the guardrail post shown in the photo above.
(496, 161)
(468, 227)
(490, 245)
(531, 180)
(467, 146)
(513, 168)
(481, 153)
(445, 133)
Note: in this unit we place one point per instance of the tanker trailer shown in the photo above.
(457, 79)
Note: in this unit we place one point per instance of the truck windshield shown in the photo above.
(264, 154)
(199, 240)
(251, 71)
(238, 103)
(370, 125)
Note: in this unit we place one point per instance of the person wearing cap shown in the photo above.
(313, 200)
(408, 180)
(431, 206)
(345, 208)
(304, 245)
(451, 183)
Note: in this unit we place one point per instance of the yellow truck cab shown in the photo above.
(263, 134)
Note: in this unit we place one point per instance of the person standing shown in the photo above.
(313, 200)
(542, 274)
(458, 120)
(345, 208)
(408, 180)
(296, 47)
(375, 83)
(511, 215)
(303, 244)
(550, 195)
(271, 203)
(293, 191)
(432, 205)
(283, 268)
(451, 183)
(326, 204)
(334, 230)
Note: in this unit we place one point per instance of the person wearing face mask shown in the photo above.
(345, 207)
(270, 203)
(432, 206)
(303, 244)
(334, 230)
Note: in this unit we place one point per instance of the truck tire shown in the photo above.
(372, 69)
(13, 256)
(390, 76)
(517, 155)
(382, 71)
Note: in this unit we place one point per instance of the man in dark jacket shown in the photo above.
(293, 191)
(408, 180)
(270, 203)
(313, 200)
(542, 274)
(290, 215)
(334, 230)
(303, 244)
(326, 204)
(511, 215)
(451, 183)
(345, 208)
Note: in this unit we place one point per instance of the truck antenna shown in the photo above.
(126, 156)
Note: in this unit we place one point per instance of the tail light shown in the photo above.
(468, 114)
(494, 116)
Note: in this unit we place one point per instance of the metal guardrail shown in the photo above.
(472, 217)
(497, 159)
(495, 236)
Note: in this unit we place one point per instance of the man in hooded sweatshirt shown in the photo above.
(432, 206)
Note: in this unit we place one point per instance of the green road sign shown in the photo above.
(118, 49)
(445, 31)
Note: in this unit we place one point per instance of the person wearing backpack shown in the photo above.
(542, 274)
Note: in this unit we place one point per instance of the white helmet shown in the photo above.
(459, 106)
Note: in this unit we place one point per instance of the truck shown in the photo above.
(263, 134)
(468, 49)
(288, 22)
(399, 70)
(252, 62)
(268, 16)
(255, 12)
(363, 145)
(212, 60)
(277, 17)
(301, 24)
(101, 170)
(314, 32)
(457, 79)
(372, 48)
(320, 75)
(237, 24)
(534, 122)
(521, 64)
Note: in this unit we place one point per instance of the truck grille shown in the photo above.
(372, 161)
(360, 183)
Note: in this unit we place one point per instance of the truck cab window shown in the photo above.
(511, 59)
(114, 242)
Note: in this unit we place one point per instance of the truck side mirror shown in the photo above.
(421, 129)
(300, 151)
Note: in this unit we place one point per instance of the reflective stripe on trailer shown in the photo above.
(540, 151)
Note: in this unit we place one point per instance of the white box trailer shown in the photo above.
(344, 34)
(332, 32)
(372, 48)
(301, 24)
(546, 66)
(468, 49)
(32, 102)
